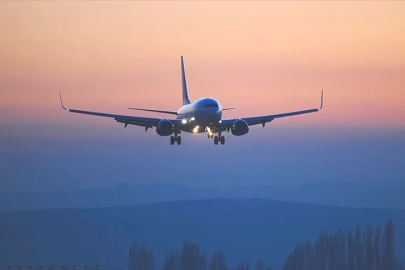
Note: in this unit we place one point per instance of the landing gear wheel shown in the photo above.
(178, 140)
(172, 140)
(222, 139)
(216, 140)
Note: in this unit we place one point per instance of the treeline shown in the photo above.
(189, 258)
(370, 249)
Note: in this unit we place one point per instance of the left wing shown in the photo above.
(268, 118)
(125, 119)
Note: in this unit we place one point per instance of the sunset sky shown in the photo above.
(260, 57)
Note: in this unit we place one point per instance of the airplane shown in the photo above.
(200, 116)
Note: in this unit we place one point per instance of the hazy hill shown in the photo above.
(239, 227)
(327, 193)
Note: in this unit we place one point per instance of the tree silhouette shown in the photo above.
(377, 248)
(260, 264)
(388, 252)
(172, 261)
(202, 263)
(241, 266)
(191, 259)
(350, 250)
(218, 262)
(358, 249)
(140, 258)
(369, 260)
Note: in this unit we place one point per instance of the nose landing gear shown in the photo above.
(210, 134)
(175, 138)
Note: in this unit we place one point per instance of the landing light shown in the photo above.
(192, 118)
(220, 121)
(184, 121)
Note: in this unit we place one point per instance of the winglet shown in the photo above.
(321, 100)
(61, 102)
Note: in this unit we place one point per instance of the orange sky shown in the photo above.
(260, 57)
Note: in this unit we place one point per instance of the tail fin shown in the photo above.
(184, 84)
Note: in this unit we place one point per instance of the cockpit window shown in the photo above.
(212, 105)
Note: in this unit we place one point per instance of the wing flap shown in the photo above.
(135, 123)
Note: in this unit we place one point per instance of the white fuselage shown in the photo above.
(202, 113)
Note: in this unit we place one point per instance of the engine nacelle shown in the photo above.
(240, 127)
(165, 128)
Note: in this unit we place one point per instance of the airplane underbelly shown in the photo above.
(207, 118)
(202, 119)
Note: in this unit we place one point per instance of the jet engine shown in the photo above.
(239, 127)
(165, 128)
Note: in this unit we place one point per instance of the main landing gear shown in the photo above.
(219, 138)
(175, 138)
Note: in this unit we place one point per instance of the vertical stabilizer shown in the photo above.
(184, 84)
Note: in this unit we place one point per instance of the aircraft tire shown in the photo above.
(178, 140)
(172, 140)
(216, 140)
(222, 139)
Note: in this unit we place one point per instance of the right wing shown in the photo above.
(125, 119)
(225, 124)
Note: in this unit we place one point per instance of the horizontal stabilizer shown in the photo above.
(226, 109)
(149, 110)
